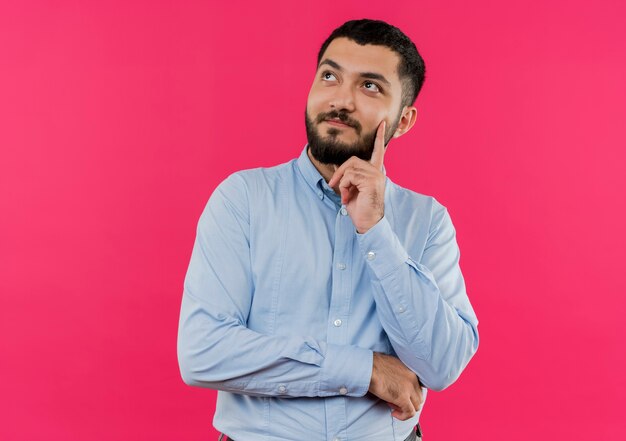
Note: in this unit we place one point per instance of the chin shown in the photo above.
(334, 135)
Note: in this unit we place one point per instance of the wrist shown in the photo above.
(361, 229)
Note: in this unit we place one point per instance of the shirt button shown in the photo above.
(282, 389)
(400, 309)
(341, 266)
(343, 390)
(371, 255)
(343, 211)
(321, 195)
(336, 438)
(337, 323)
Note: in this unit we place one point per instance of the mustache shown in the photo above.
(341, 116)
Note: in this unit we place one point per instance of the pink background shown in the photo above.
(118, 119)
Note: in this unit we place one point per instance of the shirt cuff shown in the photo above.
(347, 370)
(381, 249)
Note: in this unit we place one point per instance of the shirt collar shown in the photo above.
(308, 170)
(315, 180)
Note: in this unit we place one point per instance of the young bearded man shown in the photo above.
(322, 300)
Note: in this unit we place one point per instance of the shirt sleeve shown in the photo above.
(423, 306)
(215, 348)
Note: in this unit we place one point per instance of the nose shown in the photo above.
(342, 99)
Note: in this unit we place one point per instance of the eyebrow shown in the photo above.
(368, 75)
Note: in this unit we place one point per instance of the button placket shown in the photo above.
(337, 328)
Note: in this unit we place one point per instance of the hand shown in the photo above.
(362, 185)
(395, 383)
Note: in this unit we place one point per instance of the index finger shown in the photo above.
(379, 146)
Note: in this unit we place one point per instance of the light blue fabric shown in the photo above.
(284, 304)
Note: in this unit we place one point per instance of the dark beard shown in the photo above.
(329, 150)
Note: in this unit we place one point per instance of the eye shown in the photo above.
(328, 76)
(372, 87)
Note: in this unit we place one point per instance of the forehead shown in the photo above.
(356, 58)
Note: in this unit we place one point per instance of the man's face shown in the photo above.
(355, 88)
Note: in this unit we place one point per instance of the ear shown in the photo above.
(409, 115)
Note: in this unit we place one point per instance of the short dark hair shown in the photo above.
(411, 69)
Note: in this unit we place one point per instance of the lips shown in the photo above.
(336, 122)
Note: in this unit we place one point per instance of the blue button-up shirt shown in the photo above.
(284, 304)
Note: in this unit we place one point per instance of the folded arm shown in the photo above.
(215, 348)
